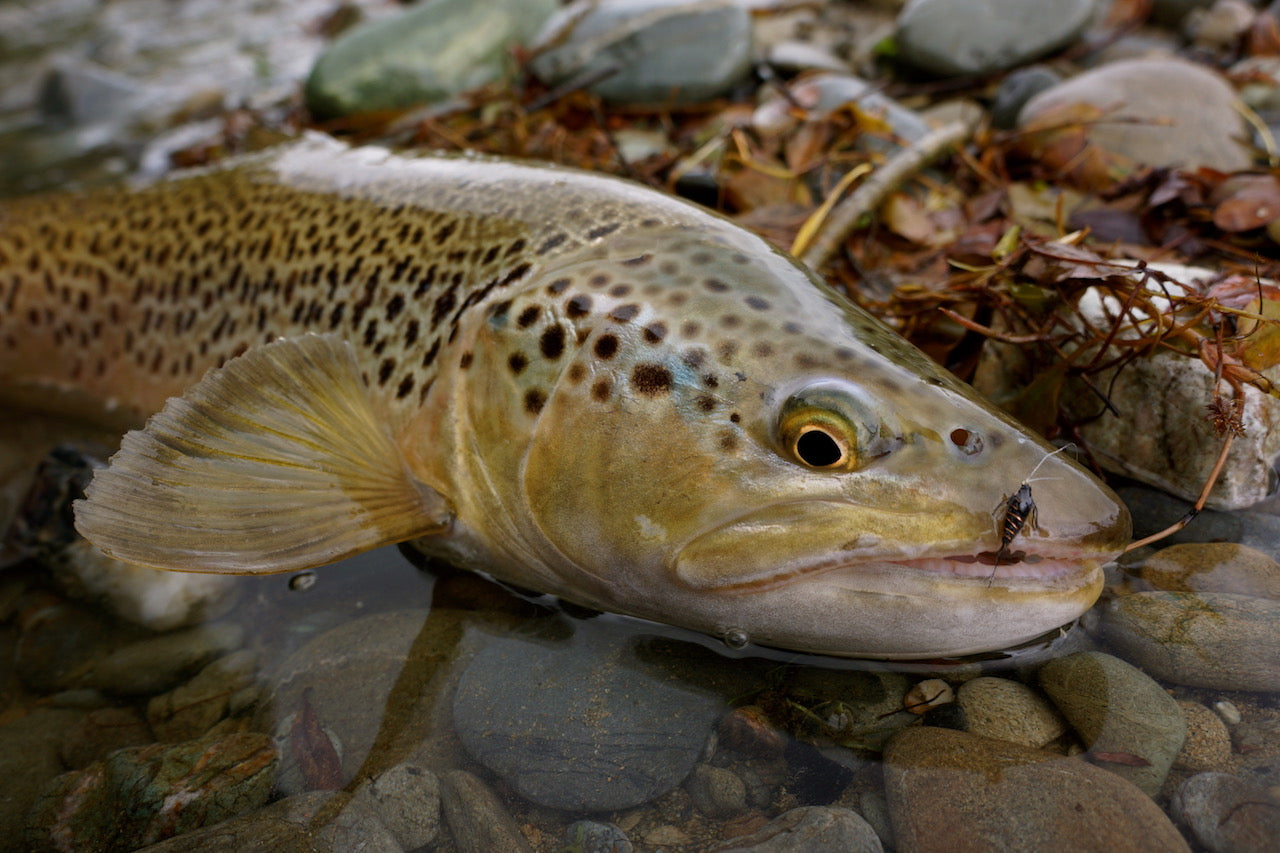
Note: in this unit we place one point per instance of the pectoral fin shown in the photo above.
(275, 462)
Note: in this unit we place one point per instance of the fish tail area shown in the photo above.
(275, 462)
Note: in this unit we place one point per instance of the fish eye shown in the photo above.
(828, 427)
(816, 447)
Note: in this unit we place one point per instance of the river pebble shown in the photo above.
(190, 710)
(970, 37)
(428, 52)
(58, 642)
(1016, 89)
(1212, 567)
(406, 798)
(1130, 726)
(142, 795)
(946, 787)
(716, 792)
(325, 698)
(647, 51)
(477, 819)
(29, 761)
(810, 828)
(1167, 112)
(1208, 743)
(159, 663)
(316, 822)
(1009, 710)
(1209, 639)
(589, 836)
(584, 727)
(1227, 814)
(103, 731)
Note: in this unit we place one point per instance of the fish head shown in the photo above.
(749, 454)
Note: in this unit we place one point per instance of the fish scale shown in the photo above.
(568, 381)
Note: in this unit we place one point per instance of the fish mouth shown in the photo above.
(809, 542)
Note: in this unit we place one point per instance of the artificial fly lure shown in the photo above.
(1019, 509)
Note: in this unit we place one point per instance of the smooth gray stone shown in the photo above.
(969, 37)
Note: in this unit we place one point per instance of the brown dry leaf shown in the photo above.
(906, 217)
(808, 146)
(747, 189)
(1058, 140)
(1246, 202)
(1263, 38)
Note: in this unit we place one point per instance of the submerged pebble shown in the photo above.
(1130, 726)
(191, 709)
(406, 798)
(716, 792)
(476, 817)
(1208, 743)
(1227, 814)
(1212, 567)
(29, 761)
(141, 795)
(944, 786)
(1009, 710)
(582, 727)
(809, 828)
(159, 663)
(1208, 639)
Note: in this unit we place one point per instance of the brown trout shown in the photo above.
(572, 383)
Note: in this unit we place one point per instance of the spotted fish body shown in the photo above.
(576, 384)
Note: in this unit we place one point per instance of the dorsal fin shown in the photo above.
(277, 461)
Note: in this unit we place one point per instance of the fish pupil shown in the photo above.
(818, 449)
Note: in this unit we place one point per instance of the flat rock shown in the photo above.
(970, 37)
(315, 822)
(584, 726)
(1152, 112)
(159, 663)
(1207, 639)
(810, 828)
(406, 798)
(476, 817)
(647, 51)
(1212, 567)
(1009, 710)
(191, 709)
(1130, 726)
(1227, 814)
(429, 52)
(28, 763)
(951, 791)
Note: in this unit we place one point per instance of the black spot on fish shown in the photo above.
(558, 286)
(637, 261)
(411, 333)
(654, 332)
(552, 342)
(762, 349)
(385, 369)
(757, 303)
(791, 328)
(577, 372)
(405, 388)
(711, 381)
(735, 417)
(715, 285)
(624, 313)
(465, 360)
(651, 379)
(517, 362)
(705, 402)
(603, 230)
(602, 389)
(500, 309)
(598, 280)
(731, 321)
(528, 316)
(394, 307)
(578, 306)
(534, 400)
(551, 242)
(606, 346)
(728, 441)
(620, 290)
